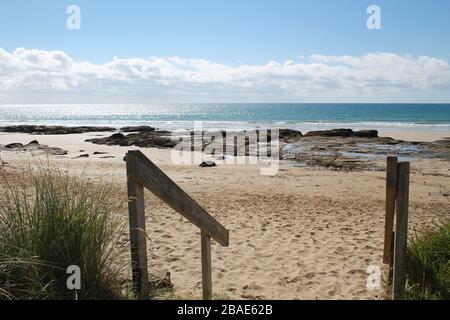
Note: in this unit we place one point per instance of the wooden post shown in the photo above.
(138, 241)
(391, 260)
(206, 267)
(391, 194)
(401, 232)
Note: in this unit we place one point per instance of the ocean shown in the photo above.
(301, 116)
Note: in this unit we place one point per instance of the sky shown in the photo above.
(224, 51)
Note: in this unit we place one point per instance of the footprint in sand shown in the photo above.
(339, 250)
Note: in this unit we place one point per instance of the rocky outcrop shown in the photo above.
(33, 147)
(156, 139)
(366, 133)
(360, 151)
(138, 129)
(46, 130)
(343, 133)
(331, 133)
(14, 145)
(117, 136)
(289, 134)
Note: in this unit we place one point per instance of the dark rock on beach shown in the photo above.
(34, 147)
(83, 156)
(331, 133)
(367, 133)
(46, 130)
(118, 136)
(439, 149)
(289, 134)
(156, 139)
(14, 146)
(343, 133)
(207, 164)
(138, 129)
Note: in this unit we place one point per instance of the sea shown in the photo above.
(237, 116)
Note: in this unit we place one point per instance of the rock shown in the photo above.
(363, 150)
(289, 134)
(44, 130)
(367, 133)
(388, 141)
(83, 156)
(343, 133)
(331, 133)
(107, 157)
(14, 146)
(55, 151)
(156, 139)
(118, 136)
(138, 129)
(35, 147)
(34, 142)
(207, 164)
(98, 152)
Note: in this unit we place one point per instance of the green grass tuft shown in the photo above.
(429, 264)
(50, 220)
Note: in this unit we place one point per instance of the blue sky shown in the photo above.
(231, 33)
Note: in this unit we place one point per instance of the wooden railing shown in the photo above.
(143, 173)
(396, 242)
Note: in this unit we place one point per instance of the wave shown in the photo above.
(245, 125)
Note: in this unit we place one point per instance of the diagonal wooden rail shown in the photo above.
(143, 173)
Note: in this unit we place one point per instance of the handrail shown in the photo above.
(142, 172)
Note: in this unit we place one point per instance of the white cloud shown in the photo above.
(38, 76)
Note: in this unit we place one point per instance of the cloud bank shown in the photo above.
(38, 76)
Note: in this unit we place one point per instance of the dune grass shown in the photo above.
(429, 264)
(50, 220)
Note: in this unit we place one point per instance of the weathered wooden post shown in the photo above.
(138, 243)
(401, 233)
(206, 266)
(391, 194)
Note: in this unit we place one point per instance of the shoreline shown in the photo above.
(336, 149)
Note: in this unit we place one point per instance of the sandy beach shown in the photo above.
(270, 150)
(305, 233)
